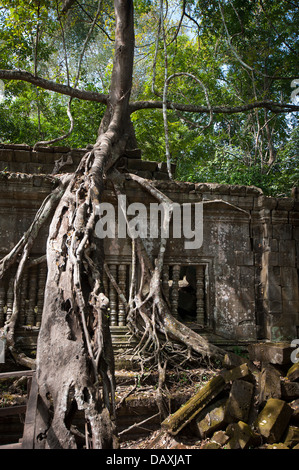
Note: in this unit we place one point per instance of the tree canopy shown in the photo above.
(207, 85)
(231, 68)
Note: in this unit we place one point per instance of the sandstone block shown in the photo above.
(283, 231)
(269, 385)
(289, 390)
(293, 372)
(238, 372)
(210, 420)
(295, 407)
(292, 437)
(241, 436)
(220, 437)
(274, 419)
(285, 203)
(211, 445)
(274, 353)
(280, 445)
(6, 155)
(178, 420)
(136, 164)
(265, 202)
(22, 156)
(157, 175)
(133, 153)
(239, 401)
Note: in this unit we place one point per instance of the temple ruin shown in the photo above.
(240, 286)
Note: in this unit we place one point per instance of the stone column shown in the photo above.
(175, 289)
(2, 303)
(122, 278)
(40, 293)
(200, 296)
(30, 320)
(9, 299)
(113, 297)
(23, 300)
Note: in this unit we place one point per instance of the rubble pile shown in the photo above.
(252, 405)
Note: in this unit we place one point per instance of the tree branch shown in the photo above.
(223, 109)
(24, 76)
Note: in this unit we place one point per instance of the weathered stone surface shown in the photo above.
(293, 372)
(239, 401)
(289, 390)
(269, 383)
(295, 407)
(211, 445)
(232, 240)
(273, 419)
(275, 353)
(239, 372)
(292, 437)
(137, 164)
(280, 445)
(178, 420)
(241, 436)
(220, 437)
(210, 419)
(157, 175)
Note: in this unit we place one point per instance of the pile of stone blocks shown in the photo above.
(256, 405)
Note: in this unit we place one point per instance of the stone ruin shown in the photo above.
(239, 287)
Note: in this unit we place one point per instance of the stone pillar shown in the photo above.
(113, 297)
(122, 282)
(30, 320)
(40, 293)
(2, 303)
(175, 289)
(106, 284)
(200, 296)
(23, 299)
(9, 299)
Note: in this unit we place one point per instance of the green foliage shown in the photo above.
(254, 148)
(241, 56)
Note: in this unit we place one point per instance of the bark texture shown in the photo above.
(75, 363)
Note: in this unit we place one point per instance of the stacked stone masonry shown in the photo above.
(241, 284)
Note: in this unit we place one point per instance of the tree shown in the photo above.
(74, 346)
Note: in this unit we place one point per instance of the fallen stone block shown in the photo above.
(178, 420)
(239, 372)
(295, 407)
(289, 390)
(292, 437)
(211, 445)
(269, 383)
(239, 401)
(220, 437)
(209, 420)
(241, 436)
(280, 445)
(293, 372)
(274, 353)
(273, 419)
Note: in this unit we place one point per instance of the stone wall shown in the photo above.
(246, 281)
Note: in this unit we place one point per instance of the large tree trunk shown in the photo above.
(75, 364)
